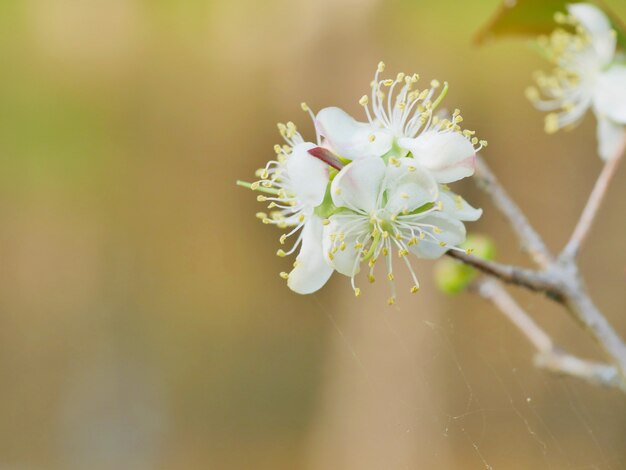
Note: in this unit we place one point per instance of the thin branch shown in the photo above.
(594, 202)
(529, 239)
(548, 356)
(538, 281)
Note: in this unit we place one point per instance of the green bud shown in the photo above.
(452, 276)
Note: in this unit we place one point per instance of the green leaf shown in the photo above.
(523, 18)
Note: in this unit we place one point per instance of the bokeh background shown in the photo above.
(143, 324)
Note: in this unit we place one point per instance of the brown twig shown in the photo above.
(538, 281)
(594, 202)
(548, 356)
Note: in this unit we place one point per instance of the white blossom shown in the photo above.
(588, 74)
(402, 119)
(295, 184)
(392, 209)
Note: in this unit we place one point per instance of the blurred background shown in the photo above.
(143, 324)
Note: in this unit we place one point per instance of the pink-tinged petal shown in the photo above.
(409, 186)
(308, 176)
(311, 271)
(448, 155)
(457, 207)
(358, 185)
(350, 138)
(610, 138)
(346, 261)
(609, 99)
(599, 27)
(452, 233)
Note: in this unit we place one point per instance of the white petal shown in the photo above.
(358, 184)
(610, 137)
(596, 22)
(409, 186)
(448, 155)
(452, 234)
(344, 261)
(350, 138)
(610, 94)
(308, 176)
(311, 271)
(457, 207)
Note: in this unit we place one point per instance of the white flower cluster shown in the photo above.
(368, 192)
(589, 73)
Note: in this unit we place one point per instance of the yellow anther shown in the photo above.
(358, 246)
(338, 191)
(422, 236)
(284, 275)
(394, 161)
(414, 289)
(281, 253)
(411, 168)
(390, 276)
(391, 301)
(267, 221)
(398, 236)
(413, 241)
(364, 100)
(283, 239)
(266, 184)
(254, 186)
(436, 230)
(385, 234)
(271, 205)
(435, 84)
(371, 278)
(532, 93)
(469, 251)
(371, 138)
(278, 149)
(442, 243)
(560, 17)
(484, 143)
(342, 247)
(381, 66)
(261, 215)
(552, 123)
(357, 291)
(400, 77)
(372, 262)
(325, 222)
(474, 140)
(385, 251)
(301, 218)
(305, 107)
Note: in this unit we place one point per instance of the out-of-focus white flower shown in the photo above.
(588, 74)
(294, 185)
(384, 210)
(402, 120)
